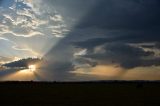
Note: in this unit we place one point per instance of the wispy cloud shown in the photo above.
(27, 18)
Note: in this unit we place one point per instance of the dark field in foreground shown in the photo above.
(135, 93)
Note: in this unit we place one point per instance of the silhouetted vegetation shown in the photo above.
(22, 62)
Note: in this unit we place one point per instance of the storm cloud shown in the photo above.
(119, 26)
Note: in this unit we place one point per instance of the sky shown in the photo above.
(84, 39)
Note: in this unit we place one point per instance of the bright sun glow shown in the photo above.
(32, 67)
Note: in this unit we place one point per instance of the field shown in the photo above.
(110, 93)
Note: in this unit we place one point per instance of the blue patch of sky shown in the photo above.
(21, 5)
(8, 3)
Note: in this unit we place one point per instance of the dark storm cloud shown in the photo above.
(137, 22)
(128, 21)
(118, 51)
(72, 8)
(124, 55)
(123, 37)
(157, 45)
(124, 14)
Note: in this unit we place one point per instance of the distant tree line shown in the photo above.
(23, 62)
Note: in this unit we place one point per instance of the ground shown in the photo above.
(110, 93)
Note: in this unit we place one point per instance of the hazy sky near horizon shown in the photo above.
(84, 39)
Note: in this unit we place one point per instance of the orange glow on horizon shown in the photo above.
(101, 70)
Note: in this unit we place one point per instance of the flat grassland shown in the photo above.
(100, 93)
